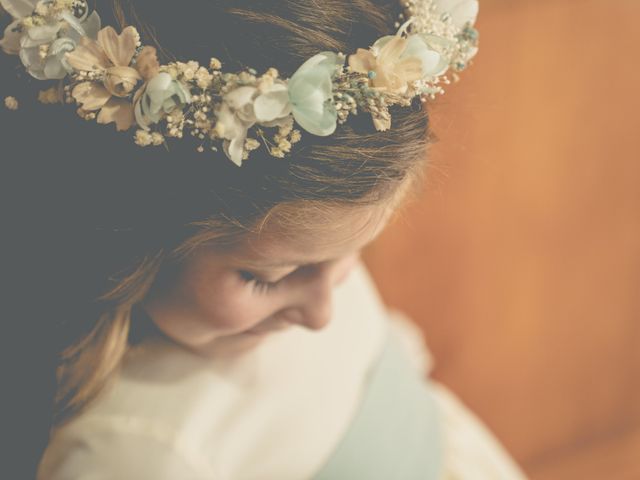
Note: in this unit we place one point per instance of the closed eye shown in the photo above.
(259, 285)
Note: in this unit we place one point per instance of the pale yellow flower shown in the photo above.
(203, 78)
(111, 55)
(50, 95)
(11, 103)
(142, 138)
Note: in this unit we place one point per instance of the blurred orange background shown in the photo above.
(521, 260)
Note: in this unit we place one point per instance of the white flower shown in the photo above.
(19, 8)
(461, 11)
(42, 48)
(245, 106)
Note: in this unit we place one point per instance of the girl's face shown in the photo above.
(268, 283)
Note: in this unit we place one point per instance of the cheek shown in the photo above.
(230, 304)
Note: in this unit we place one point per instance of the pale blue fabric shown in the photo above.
(396, 433)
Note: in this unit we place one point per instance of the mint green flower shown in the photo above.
(158, 97)
(311, 93)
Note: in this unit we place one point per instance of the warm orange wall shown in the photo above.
(522, 259)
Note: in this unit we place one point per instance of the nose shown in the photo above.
(315, 307)
(316, 310)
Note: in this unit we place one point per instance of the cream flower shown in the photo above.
(110, 56)
(393, 62)
(11, 103)
(245, 106)
(50, 95)
(386, 70)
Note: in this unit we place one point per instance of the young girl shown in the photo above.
(213, 318)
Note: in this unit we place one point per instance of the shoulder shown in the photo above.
(120, 447)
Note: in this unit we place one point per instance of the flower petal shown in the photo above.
(461, 11)
(119, 111)
(10, 43)
(272, 104)
(311, 108)
(88, 56)
(156, 89)
(140, 110)
(147, 63)
(389, 80)
(76, 27)
(90, 95)
(362, 61)
(233, 127)
(92, 25)
(328, 62)
(54, 69)
(310, 92)
(31, 59)
(409, 69)
(118, 48)
(392, 50)
(235, 148)
(433, 62)
(121, 81)
(239, 97)
(40, 35)
(19, 8)
(442, 46)
(321, 124)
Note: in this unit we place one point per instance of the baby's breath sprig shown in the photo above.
(282, 141)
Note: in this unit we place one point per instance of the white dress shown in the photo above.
(275, 411)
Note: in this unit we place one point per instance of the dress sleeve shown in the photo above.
(103, 451)
(472, 451)
(412, 339)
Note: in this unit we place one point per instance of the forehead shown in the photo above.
(336, 232)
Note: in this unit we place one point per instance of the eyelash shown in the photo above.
(259, 286)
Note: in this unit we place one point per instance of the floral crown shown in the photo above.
(113, 78)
